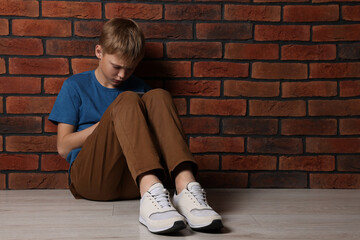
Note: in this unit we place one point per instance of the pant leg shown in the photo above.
(164, 120)
(116, 153)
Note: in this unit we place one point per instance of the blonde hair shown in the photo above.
(123, 37)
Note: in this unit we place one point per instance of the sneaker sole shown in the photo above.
(213, 226)
(177, 226)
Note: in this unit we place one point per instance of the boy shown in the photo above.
(112, 137)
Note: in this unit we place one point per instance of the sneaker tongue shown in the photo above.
(156, 188)
(158, 191)
(194, 186)
(197, 192)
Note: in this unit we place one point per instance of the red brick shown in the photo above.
(38, 180)
(282, 108)
(164, 69)
(349, 126)
(2, 66)
(327, 181)
(333, 145)
(134, 11)
(1, 105)
(330, 33)
(194, 50)
(53, 85)
(349, 163)
(308, 52)
(88, 29)
(1, 144)
(223, 179)
(19, 162)
(201, 125)
(251, 51)
(193, 88)
(43, 27)
(70, 47)
(282, 33)
(307, 163)
(216, 144)
(243, 163)
(2, 181)
(52, 162)
(335, 70)
(252, 13)
(31, 144)
(309, 89)
(278, 180)
(221, 69)
(236, 88)
(308, 127)
(66, 9)
(248, 126)
(181, 105)
(224, 107)
(4, 27)
(207, 162)
(23, 105)
(28, 85)
(49, 126)
(20, 124)
(351, 13)
(193, 12)
(165, 30)
(39, 66)
(307, 13)
(79, 65)
(154, 50)
(26, 8)
(263, 70)
(21, 46)
(334, 107)
(232, 31)
(275, 145)
(349, 51)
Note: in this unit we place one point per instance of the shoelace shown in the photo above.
(162, 198)
(199, 194)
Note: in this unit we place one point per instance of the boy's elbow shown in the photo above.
(62, 152)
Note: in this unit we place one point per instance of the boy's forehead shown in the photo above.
(121, 61)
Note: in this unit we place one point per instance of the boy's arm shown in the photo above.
(68, 139)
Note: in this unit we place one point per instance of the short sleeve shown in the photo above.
(66, 107)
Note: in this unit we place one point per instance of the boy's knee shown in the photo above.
(129, 97)
(158, 93)
(126, 99)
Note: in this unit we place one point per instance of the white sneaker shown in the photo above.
(157, 212)
(192, 204)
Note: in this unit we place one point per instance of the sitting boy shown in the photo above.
(113, 137)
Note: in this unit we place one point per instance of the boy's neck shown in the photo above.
(101, 78)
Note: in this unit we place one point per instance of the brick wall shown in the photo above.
(268, 90)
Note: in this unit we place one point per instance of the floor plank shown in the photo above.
(248, 214)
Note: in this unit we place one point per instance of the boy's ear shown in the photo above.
(98, 51)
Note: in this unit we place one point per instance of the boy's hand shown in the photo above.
(68, 139)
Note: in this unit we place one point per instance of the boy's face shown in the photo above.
(112, 70)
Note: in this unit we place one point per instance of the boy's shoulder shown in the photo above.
(80, 78)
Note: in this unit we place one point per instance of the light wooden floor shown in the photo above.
(248, 214)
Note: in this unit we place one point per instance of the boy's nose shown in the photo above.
(121, 73)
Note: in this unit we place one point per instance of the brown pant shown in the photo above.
(131, 136)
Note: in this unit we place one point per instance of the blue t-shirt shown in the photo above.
(82, 101)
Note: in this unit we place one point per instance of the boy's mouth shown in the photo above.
(118, 81)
